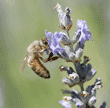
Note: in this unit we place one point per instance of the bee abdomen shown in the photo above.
(39, 69)
(43, 75)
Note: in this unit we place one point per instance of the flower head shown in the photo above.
(83, 73)
(54, 41)
(84, 29)
(82, 25)
(83, 99)
(66, 40)
(65, 104)
(64, 18)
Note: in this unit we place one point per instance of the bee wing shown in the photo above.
(27, 57)
(25, 61)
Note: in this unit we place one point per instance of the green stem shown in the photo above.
(68, 33)
(82, 88)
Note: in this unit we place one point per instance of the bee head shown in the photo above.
(44, 43)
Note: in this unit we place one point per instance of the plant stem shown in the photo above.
(68, 33)
(82, 88)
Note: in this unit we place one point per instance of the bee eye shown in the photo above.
(44, 42)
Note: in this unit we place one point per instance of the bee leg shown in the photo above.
(54, 58)
(49, 58)
(45, 60)
(41, 57)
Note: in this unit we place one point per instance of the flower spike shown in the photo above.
(64, 18)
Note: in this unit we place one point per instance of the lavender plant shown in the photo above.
(86, 98)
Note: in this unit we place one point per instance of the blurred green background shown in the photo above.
(22, 22)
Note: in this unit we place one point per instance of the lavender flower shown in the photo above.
(64, 18)
(54, 41)
(65, 104)
(70, 52)
(86, 98)
(66, 40)
(83, 28)
(79, 53)
(76, 36)
(70, 55)
(84, 73)
(79, 45)
(66, 53)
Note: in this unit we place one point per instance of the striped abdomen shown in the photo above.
(39, 68)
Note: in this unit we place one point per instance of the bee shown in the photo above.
(35, 51)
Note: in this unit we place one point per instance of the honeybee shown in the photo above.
(35, 51)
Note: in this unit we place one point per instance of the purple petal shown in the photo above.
(80, 105)
(85, 34)
(48, 35)
(57, 38)
(82, 25)
(54, 41)
(65, 104)
(57, 49)
(85, 26)
(79, 24)
(83, 40)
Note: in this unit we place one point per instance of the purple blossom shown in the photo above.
(54, 41)
(65, 104)
(84, 98)
(83, 73)
(82, 25)
(84, 29)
